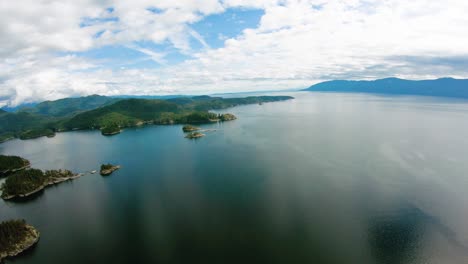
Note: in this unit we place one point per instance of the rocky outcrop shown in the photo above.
(108, 169)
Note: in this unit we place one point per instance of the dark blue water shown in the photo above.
(324, 178)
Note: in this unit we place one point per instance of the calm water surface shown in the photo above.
(324, 178)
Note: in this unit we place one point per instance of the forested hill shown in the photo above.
(22, 124)
(69, 106)
(445, 87)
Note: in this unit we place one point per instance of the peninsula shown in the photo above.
(15, 237)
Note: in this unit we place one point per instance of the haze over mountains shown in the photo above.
(444, 87)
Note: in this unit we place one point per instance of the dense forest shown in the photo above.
(8, 163)
(99, 112)
(26, 181)
(23, 182)
(25, 125)
(12, 232)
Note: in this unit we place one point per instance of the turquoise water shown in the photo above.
(324, 178)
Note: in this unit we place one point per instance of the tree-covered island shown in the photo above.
(108, 169)
(29, 181)
(15, 237)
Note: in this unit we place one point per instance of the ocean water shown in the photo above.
(323, 178)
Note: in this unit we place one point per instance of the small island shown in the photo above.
(27, 182)
(108, 169)
(190, 128)
(15, 237)
(110, 130)
(227, 117)
(11, 164)
(194, 135)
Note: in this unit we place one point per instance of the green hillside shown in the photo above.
(24, 125)
(69, 106)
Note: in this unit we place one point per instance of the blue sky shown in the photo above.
(213, 29)
(66, 48)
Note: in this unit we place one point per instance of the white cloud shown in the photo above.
(296, 44)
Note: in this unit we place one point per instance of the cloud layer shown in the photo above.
(295, 44)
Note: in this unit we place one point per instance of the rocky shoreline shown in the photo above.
(109, 170)
(30, 240)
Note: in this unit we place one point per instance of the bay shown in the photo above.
(323, 178)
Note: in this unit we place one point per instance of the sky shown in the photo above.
(54, 49)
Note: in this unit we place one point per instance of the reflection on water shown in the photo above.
(324, 178)
(397, 238)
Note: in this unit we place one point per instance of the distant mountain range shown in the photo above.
(444, 87)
